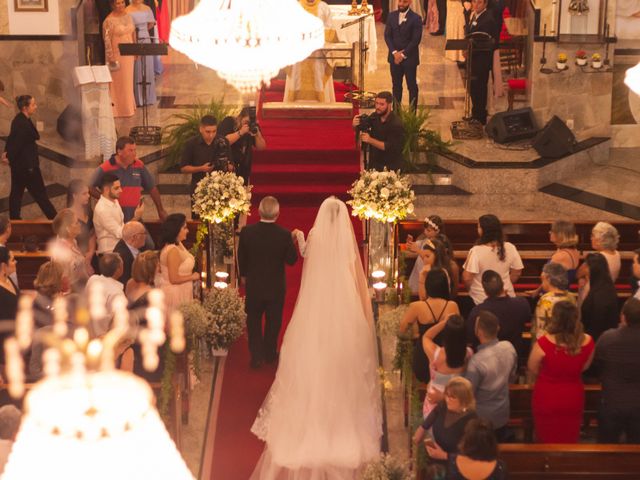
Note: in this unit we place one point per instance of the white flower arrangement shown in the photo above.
(389, 322)
(387, 467)
(220, 196)
(383, 196)
(219, 321)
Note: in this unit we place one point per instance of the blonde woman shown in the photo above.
(65, 250)
(448, 420)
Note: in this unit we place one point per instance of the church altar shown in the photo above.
(351, 34)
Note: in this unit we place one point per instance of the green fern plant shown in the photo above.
(419, 139)
(186, 126)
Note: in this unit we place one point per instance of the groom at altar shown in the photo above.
(263, 251)
(312, 78)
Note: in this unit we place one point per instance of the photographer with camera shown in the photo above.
(205, 153)
(383, 132)
(243, 134)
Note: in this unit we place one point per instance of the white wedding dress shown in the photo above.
(321, 420)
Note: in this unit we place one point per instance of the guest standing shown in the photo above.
(402, 35)
(5, 235)
(491, 252)
(119, 28)
(9, 294)
(433, 228)
(477, 456)
(50, 282)
(434, 255)
(604, 240)
(599, 310)
(21, 152)
(144, 21)
(556, 287)
(107, 281)
(558, 359)
(176, 263)
(65, 251)
(129, 246)
(426, 313)
(78, 200)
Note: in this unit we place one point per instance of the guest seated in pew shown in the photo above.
(10, 418)
(78, 200)
(5, 234)
(110, 271)
(491, 252)
(618, 365)
(447, 361)
(129, 246)
(477, 456)
(434, 255)
(558, 359)
(604, 240)
(50, 282)
(424, 314)
(556, 285)
(512, 312)
(599, 309)
(563, 235)
(448, 420)
(65, 250)
(490, 371)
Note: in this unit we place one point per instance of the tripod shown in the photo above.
(144, 134)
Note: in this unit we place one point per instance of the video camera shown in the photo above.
(253, 123)
(221, 152)
(366, 122)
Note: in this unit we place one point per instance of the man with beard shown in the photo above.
(384, 134)
(402, 36)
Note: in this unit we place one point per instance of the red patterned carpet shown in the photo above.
(306, 161)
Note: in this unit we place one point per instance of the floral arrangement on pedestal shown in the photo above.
(561, 61)
(581, 57)
(596, 61)
(220, 196)
(383, 196)
(387, 467)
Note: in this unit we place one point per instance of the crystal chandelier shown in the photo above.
(632, 79)
(247, 41)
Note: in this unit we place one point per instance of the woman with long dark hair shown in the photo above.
(558, 359)
(491, 252)
(434, 255)
(599, 309)
(447, 361)
(176, 263)
(425, 314)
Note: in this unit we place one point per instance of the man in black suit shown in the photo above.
(129, 246)
(481, 21)
(263, 251)
(21, 152)
(402, 35)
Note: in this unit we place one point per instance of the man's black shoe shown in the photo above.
(255, 363)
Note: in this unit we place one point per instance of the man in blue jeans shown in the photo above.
(618, 366)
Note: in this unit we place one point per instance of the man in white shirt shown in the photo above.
(108, 218)
(111, 268)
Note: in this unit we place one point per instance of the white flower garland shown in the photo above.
(384, 196)
(220, 196)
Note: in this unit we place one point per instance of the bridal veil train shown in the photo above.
(321, 420)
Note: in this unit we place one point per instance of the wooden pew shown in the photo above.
(571, 461)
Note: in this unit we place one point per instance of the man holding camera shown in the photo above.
(243, 134)
(205, 153)
(383, 132)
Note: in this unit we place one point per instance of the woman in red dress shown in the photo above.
(558, 359)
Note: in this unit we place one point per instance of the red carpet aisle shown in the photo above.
(305, 162)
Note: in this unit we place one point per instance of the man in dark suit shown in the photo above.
(481, 21)
(402, 35)
(21, 152)
(129, 246)
(263, 251)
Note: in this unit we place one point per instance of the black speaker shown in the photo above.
(555, 140)
(505, 127)
(69, 125)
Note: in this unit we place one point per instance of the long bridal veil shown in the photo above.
(322, 417)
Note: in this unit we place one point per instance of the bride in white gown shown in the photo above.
(321, 420)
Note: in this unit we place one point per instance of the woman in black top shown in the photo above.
(9, 294)
(599, 310)
(448, 420)
(477, 455)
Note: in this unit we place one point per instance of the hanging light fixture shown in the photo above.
(247, 41)
(632, 79)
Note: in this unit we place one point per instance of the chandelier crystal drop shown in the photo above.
(247, 41)
(632, 79)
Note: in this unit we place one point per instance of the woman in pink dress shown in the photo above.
(176, 263)
(558, 359)
(119, 28)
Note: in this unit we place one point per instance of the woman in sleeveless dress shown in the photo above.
(604, 240)
(322, 416)
(426, 313)
(143, 20)
(118, 28)
(176, 263)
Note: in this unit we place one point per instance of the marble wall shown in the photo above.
(64, 8)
